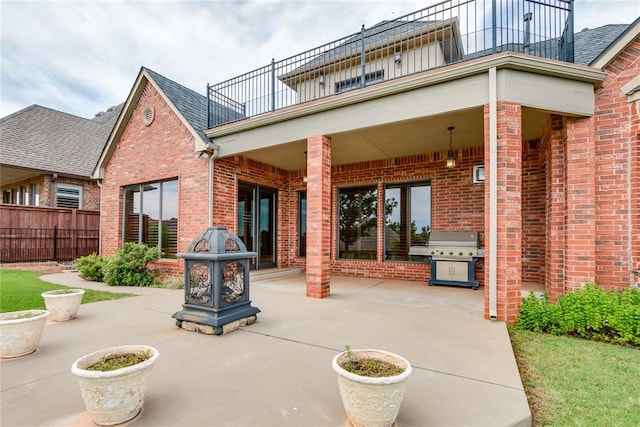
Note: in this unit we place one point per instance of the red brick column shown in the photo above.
(555, 209)
(580, 255)
(509, 242)
(318, 216)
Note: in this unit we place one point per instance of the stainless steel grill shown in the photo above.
(453, 245)
(452, 255)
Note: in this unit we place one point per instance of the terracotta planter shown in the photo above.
(63, 304)
(113, 397)
(20, 332)
(368, 401)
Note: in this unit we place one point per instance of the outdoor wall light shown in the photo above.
(397, 58)
(210, 150)
(451, 159)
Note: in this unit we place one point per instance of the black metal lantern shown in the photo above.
(216, 282)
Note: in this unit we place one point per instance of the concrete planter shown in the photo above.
(20, 332)
(113, 397)
(368, 401)
(63, 304)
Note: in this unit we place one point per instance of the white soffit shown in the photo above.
(553, 94)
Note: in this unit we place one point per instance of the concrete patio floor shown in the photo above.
(277, 371)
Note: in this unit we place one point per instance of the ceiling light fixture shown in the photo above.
(451, 159)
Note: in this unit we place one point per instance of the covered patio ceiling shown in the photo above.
(400, 139)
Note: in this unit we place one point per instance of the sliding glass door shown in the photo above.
(257, 222)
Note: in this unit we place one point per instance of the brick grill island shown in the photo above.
(216, 284)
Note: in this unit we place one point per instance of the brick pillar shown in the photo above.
(509, 242)
(554, 233)
(318, 216)
(580, 227)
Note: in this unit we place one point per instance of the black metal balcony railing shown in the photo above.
(442, 34)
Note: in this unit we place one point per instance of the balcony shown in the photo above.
(449, 32)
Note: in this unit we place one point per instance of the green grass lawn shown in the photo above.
(576, 382)
(20, 290)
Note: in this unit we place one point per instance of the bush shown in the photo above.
(129, 266)
(592, 313)
(91, 267)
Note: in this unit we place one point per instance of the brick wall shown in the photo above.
(554, 151)
(533, 213)
(456, 205)
(47, 190)
(616, 163)
(162, 150)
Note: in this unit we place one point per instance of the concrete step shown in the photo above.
(273, 273)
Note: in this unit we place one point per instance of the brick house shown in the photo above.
(342, 157)
(48, 156)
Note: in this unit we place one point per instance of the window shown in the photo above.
(34, 196)
(407, 210)
(6, 196)
(151, 216)
(69, 196)
(357, 223)
(354, 83)
(24, 195)
(302, 224)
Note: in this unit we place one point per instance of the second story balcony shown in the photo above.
(446, 33)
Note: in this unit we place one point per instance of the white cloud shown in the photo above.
(82, 57)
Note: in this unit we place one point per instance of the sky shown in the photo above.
(82, 57)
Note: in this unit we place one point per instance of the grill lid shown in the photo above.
(453, 239)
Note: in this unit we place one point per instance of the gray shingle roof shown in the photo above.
(192, 105)
(44, 139)
(590, 43)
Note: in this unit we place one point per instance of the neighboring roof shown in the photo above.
(48, 140)
(382, 35)
(589, 43)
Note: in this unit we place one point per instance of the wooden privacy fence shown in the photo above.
(33, 234)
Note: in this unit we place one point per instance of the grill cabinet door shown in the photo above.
(459, 271)
(452, 271)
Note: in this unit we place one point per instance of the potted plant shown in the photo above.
(63, 304)
(114, 381)
(372, 384)
(20, 332)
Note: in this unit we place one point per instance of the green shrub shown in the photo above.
(592, 313)
(129, 266)
(91, 267)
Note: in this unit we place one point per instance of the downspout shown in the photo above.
(493, 193)
(99, 181)
(212, 156)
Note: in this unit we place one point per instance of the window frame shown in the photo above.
(70, 187)
(139, 188)
(376, 76)
(302, 225)
(374, 220)
(408, 185)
